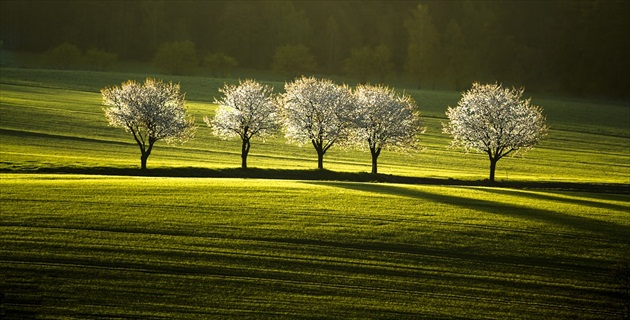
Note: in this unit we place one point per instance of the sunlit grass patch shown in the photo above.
(304, 243)
(55, 119)
(281, 248)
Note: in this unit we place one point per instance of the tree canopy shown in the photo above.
(151, 111)
(245, 110)
(385, 120)
(574, 47)
(496, 121)
(317, 111)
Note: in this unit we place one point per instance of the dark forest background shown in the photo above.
(571, 47)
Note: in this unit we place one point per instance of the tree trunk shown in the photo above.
(145, 153)
(320, 159)
(319, 147)
(244, 152)
(375, 153)
(143, 160)
(493, 166)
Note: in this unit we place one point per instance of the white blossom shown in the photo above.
(317, 111)
(151, 111)
(495, 120)
(385, 120)
(245, 110)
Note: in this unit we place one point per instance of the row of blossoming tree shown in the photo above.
(488, 118)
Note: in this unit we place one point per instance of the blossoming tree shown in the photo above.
(317, 111)
(245, 110)
(386, 120)
(151, 111)
(496, 121)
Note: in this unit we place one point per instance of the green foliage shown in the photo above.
(63, 56)
(219, 64)
(69, 56)
(8, 58)
(99, 59)
(483, 41)
(290, 25)
(178, 58)
(369, 63)
(359, 64)
(423, 50)
(294, 60)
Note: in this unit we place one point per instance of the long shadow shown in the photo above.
(28, 134)
(581, 202)
(610, 230)
(254, 173)
(319, 175)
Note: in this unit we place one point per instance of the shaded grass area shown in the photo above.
(87, 246)
(323, 175)
(490, 206)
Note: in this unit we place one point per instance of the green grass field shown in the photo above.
(55, 119)
(110, 243)
(93, 246)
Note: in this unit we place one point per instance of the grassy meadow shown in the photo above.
(84, 235)
(94, 246)
(53, 119)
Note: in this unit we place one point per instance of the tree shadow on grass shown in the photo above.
(608, 229)
(580, 202)
(317, 175)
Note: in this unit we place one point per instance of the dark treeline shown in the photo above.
(562, 46)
